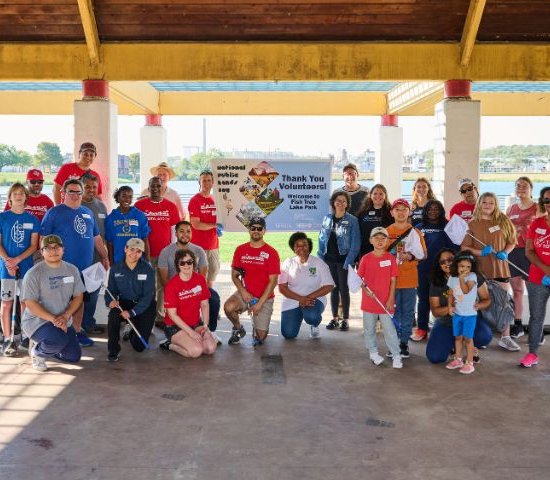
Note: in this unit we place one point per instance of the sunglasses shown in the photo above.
(446, 261)
(185, 262)
(545, 201)
(467, 189)
(74, 192)
(36, 182)
(256, 229)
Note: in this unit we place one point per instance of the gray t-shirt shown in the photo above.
(100, 213)
(53, 288)
(167, 255)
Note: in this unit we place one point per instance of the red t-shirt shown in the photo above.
(72, 170)
(463, 209)
(521, 220)
(161, 216)
(37, 206)
(204, 208)
(186, 298)
(258, 264)
(539, 232)
(376, 273)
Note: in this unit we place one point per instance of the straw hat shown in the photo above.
(155, 170)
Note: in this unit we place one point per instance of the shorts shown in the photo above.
(464, 325)
(8, 292)
(170, 330)
(213, 259)
(263, 318)
(517, 257)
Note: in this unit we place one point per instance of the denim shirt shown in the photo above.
(348, 237)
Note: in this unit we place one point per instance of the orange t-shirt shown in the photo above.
(408, 271)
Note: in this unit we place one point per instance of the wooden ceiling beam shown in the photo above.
(471, 27)
(89, 25)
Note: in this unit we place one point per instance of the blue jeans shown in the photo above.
(291, 320)
(54, 342)
(441, 340)
(423, 309)
(405, 301)
(214, 303)
(90, 304)
(390, 334)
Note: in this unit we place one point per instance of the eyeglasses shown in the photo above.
(52, 248)
(256, 229)
(545, 201)
(185, 262)
(467, 189)
(73, 192)
(445, 261)
(36, 182)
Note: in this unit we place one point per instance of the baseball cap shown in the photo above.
(34, 174)
(136, 243)
(87, 146)
(400, 201)
(256, 221)
(465, 181)
(49, 239)
(350, 165)
(379, 231)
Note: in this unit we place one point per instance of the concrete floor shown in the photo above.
(302, 409)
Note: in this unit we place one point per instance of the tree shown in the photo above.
(48, 154)
(133, 166)
(9, 156)
(200, 161)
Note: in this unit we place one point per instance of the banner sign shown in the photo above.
(289, 194)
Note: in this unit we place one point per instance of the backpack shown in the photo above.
(500, 313)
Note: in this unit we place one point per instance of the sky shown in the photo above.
(303, 135)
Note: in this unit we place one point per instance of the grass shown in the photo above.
(278, 240)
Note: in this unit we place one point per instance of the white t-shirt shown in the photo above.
(464, 302)
(304, 278)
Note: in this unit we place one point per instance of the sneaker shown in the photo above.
(218, 339)
(344, 325)
(517, 330)
(389, 354)
(454, 364)
(38, 363)
(419, 335)
(315, 332)
(24, 343)
(256, 342)
(477, 358)
(165, 345)
(126, 332)
(404, 350)
(236, 335)
(333, 324)
(529, 360)
(508, 344)
(467, 368)
(83, 339)
(10, 349)
(376, 358)
(397, 362)
(113, 357)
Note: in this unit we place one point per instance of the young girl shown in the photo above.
(463, 288)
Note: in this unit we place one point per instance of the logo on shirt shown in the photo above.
(18, 234)
(190, 293)
(312, 271)
(264, 255)
(80, 225)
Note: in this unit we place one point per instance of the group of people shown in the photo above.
(163, 262)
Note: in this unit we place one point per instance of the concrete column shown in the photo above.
(388, 165)
(95, 120)
(456, 148)
(153, 147)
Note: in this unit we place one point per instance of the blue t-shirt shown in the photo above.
(120, 227)
(16, 230)
(77, 228)
(435, 239)
(464, 302)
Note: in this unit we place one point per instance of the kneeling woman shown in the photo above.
(132, 284)
(186, 301)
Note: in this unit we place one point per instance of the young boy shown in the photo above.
(378, 270)
(403, 239)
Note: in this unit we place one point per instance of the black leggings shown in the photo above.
(144, 323)
(340, 290)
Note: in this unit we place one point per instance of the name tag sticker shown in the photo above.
(372, 213)
(385, 263)
(494, 229)
(68, 279)
(27, 226)
(513, 217)
(101, 215)
(142, 276)
(86, 215)
(133, 223)
(540, 231)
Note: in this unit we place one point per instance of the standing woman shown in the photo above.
(521, 214)
(339, 242)
(186, 302)
(421, 193)
(432, 227)
(374, 212)
(496, 231)
(537, 250)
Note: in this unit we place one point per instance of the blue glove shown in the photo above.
(546, 281)
(487, 249)
(219, 229)
(502, 255)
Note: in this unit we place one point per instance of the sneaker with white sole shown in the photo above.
(508, 344)
(10, 349)
(38, 363)
(315, 332)
(376, 358)
(397, 362)
(529, 360)
(454, 364)
(516, 330)
(467, 368)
